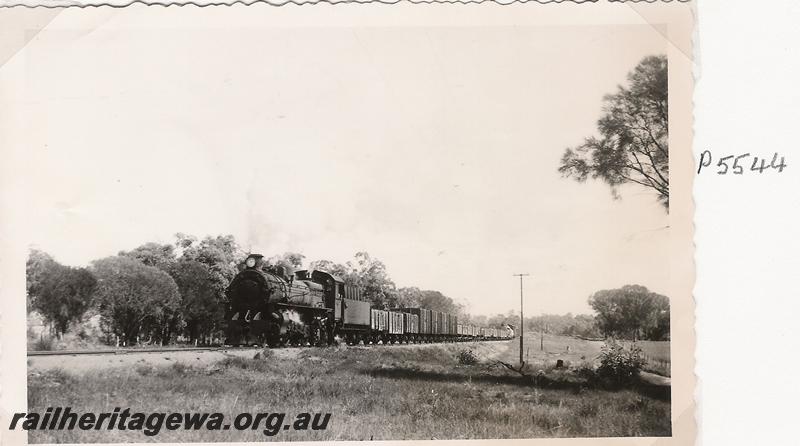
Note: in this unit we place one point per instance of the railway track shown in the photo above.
(176, 349)
(127, 351)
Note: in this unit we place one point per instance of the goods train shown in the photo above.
(276, 307)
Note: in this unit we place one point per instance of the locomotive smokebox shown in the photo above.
(253, 260)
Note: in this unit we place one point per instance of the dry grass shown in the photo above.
(373, 393)
(657, 353)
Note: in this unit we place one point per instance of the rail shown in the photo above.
(119, 351)
(122, 351)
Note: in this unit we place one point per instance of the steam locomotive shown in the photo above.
(277, 307)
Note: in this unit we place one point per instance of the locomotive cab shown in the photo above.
(332, 288)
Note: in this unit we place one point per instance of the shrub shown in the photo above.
(234, 362)
(467, 357)
(264, 354)
(237, 362)
(180, 368)
(144, 369)
(618, 364)
(176, 369)
(585, 371)
(43, 344)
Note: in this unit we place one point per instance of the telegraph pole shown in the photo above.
(521, 320)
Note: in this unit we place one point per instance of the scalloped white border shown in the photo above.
(204, 3)
(678, 18)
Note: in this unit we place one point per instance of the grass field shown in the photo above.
(657, 354)
(373, 393)
(576, 351)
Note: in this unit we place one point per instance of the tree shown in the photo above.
(561, 324)
(135, 299)
(633, 146)
(153, 254)
(480, 320)
(501, 319)
(292, 260)
(370, 274)
(337, 269)
(660, 332)
(37, 268)
(184, 241)
(221, 254)
(199, 305)
(586, 326)
(632, 311)
(63, 295)
(408, 297)
(435, 300)
(365, 272)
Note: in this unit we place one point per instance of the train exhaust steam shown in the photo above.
(293, 316)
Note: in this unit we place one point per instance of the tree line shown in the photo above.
(158, 293)
(569, 324)
(631, 312)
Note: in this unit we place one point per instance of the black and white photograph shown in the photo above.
(351, 223)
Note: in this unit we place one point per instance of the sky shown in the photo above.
(435, 149)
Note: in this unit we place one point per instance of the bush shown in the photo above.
(144, 369)
(467, 357)
(264, 354)
(43, 344)
(179, 368)
(618, 364)
(237, 362)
